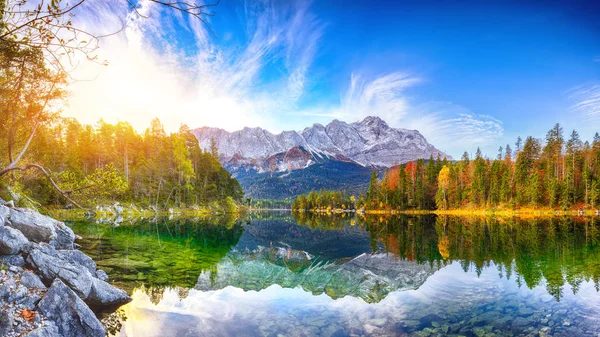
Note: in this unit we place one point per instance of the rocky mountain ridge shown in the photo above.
(370, 142)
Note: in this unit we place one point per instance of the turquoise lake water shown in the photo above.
(279, 274)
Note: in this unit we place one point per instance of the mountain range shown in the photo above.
(338, 155)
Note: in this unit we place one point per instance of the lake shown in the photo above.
(279, 274)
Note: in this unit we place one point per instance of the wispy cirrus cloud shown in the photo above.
(450, 127)
(455, 129)
(384, 96)
(586, 102)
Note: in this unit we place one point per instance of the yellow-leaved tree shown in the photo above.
(441, 197)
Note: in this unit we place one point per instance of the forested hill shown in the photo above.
(107, 163)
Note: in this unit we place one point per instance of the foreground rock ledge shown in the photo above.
(46, 286)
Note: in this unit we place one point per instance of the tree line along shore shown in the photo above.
(553, 176)
(112, 163)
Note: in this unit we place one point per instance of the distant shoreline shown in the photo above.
(546, 212)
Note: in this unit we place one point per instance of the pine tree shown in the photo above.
(518, 145)
(573, 152)
(373, 189)
(214, 151)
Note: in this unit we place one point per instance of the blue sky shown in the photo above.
(465, 74)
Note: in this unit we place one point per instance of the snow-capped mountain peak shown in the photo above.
(370, 141)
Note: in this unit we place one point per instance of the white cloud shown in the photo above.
(205, 82)
(383, 96)
(455, 129)
(586, 102)
(450, 127)
(150, 74)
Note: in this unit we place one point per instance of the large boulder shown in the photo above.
(11, 241)
(49, 265)
(72, 316)
(79, 258)
(105, 295)
(40, 228)
(35, 226)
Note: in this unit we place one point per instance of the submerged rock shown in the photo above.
(71, 315)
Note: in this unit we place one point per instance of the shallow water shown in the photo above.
(275, 274)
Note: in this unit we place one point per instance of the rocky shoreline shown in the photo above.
(48, 288)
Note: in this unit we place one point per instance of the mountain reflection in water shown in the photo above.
(338, 275)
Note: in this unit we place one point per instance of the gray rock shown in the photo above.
(77, 257)
(30, 280)
(11, 241)
(15, 269)
(101, 275)
(104, 294)
(13, 260)
(49, 330)
(11, 292)
(28, 301)
(35, 226)
(5, 287)
(49, 266)
(6, 322)
(4, 214)
(70, 314)
(64, 236)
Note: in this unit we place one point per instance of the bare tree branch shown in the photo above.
(65, 194)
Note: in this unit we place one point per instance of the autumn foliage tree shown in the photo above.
(553, 174)
(112, 162)
(441, 198)
(37, 42)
